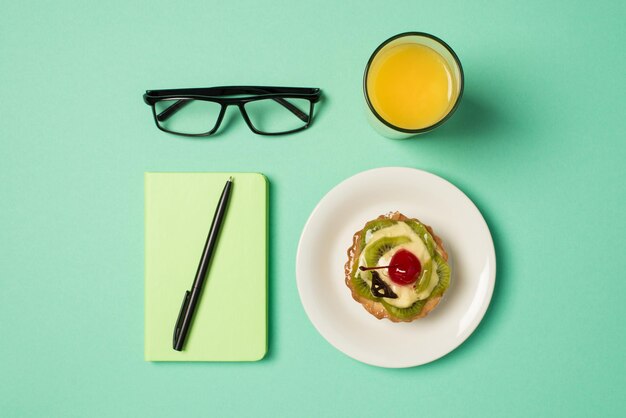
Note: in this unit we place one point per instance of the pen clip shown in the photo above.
(181, 314)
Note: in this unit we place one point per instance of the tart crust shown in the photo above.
(376, 308)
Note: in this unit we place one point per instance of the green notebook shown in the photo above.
(230, 323)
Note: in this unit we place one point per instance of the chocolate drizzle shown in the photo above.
(380, 288)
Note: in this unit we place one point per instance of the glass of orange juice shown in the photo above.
(413, 83)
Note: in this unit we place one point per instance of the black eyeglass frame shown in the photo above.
(216, 95)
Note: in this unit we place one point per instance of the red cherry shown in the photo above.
(404, 267)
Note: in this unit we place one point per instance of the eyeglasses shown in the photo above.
(266, 110)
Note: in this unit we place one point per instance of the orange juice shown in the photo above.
(411, 86)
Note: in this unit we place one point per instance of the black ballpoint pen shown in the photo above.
(190, 300)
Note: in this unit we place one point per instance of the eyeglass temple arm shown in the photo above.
(293, 109)
(170, 111)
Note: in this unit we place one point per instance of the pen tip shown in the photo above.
(230, 178)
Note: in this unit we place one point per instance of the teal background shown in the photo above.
(537, 143)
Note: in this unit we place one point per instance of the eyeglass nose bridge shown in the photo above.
(222, 113)
(220, 118)
(245, 116)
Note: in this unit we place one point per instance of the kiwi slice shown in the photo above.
(378, 248)
(361, 287)
(443, 271)
(425, 276)
(424, 235)
(404, 313)
(375, 225)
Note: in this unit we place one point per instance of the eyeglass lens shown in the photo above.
(278, 115)
(187, 116)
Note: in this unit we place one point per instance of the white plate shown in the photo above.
(322, 253)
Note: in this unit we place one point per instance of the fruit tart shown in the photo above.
(397, 268)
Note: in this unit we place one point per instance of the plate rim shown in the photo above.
(489, 291)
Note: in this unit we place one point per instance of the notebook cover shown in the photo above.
(230, 323)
